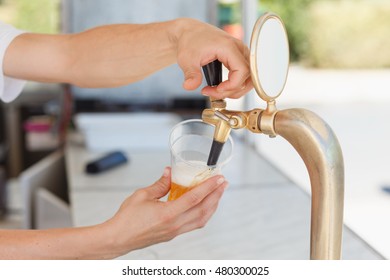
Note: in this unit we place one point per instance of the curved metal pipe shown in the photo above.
(319, 148)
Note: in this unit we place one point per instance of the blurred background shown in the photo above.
(340, 69)
(319, 30)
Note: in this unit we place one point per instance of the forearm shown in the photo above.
(70, 243)
(117, 55)
(106, 56)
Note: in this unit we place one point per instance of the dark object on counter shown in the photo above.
(106, 162)
(386, 189)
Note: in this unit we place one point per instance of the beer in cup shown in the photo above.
(190, 143)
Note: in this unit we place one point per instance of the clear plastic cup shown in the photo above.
(190, 143)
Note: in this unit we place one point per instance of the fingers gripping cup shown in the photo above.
(190, 143)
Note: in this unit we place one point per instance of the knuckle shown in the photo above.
(246, 73)
(203, 217)
(167, 216)
(233, 41)
(169, 237)
(201, 225)
(203, 212)
(141, 193)
(202, 222)
(190, 73)
(160, 186)
(194, 198)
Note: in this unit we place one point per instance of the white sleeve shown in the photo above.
(10, 88)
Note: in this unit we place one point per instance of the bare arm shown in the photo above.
(105, 56)
(142, 220)
(115, 55)
(66, 243)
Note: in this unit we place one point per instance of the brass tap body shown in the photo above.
(255, 120)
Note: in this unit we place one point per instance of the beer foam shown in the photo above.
(184, 174)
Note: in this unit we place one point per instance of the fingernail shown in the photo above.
(220, 180)
(166, 172)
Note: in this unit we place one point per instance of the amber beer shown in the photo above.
(177, 191)
(186, 177)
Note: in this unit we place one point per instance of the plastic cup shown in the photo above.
(190, 143)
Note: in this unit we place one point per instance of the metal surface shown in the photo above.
(319, 148)
(222, 128)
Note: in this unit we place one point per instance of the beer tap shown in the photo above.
(224, 120)
(311, 137)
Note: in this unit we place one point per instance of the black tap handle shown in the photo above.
(213, 73)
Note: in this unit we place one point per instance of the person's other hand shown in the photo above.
(198, 44)
(143, 219)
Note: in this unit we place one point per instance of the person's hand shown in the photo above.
(143, 219)
(198, 44)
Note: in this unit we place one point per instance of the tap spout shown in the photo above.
(320, 150)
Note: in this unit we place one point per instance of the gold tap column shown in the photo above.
(319, 148)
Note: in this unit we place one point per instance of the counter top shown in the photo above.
(262, 214)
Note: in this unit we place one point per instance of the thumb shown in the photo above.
(161, 187)
(192, 77)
